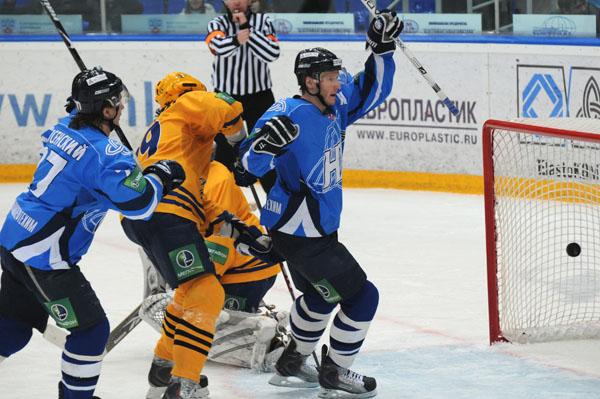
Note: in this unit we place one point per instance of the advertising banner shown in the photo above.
(38, 24)
(442, 23)
(410, 132)
(165, 23)
(338, 23)
(554, 25)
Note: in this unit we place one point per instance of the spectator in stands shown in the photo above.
(8, 7)
(116, 8)
(316, 6)
(198, 7)
(538, 7)
(574, 7)
(20, 7)
(88, 9)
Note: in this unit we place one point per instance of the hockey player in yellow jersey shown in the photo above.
(187, 121)
(245, 335)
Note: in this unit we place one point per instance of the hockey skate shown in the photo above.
(291, 370)
(182, 388)
(339, 382)
(159, 378)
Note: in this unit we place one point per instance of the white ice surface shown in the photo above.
(426, 254)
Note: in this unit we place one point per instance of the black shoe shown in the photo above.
(335, 380)
(292, 370)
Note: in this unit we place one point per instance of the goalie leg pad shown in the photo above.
(250, 340)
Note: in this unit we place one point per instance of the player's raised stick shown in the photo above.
(370, 4)
(65, 36)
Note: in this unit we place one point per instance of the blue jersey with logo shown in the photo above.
(82, 174)
(307, 197)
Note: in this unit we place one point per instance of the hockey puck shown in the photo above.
(573, 249)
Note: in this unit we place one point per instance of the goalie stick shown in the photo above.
(65, 37)
(370, 4)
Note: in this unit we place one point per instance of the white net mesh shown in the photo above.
(547, 198)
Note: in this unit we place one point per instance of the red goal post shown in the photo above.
(542, 213)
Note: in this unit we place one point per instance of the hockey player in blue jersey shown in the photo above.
(81, 175)
(302, 138)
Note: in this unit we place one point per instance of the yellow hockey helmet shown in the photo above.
(169, 88)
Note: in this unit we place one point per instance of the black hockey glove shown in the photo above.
(243, 178)
(383, 30)
(249, 240)
(275, 135)
(170, 173)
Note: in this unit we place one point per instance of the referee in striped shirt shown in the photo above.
(243, 43)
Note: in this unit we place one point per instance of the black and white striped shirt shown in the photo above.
(241, 70)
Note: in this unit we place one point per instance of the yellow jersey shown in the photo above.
(231, 266)
(184, 132)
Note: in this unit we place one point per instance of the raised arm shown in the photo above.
(263, 42)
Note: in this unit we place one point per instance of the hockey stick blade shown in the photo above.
(370, 5)
(124, 328)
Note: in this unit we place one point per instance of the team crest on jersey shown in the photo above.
(326, 175)
(279, 106)
(62, 312)
(92, 219)
(186, 262)
(115, 148)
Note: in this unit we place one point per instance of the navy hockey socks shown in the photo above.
(15, 335)
(82, 360)
(308, 319)
(351, 324)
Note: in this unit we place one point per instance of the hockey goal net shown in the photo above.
(542, 204)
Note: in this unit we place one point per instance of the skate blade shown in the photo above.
(291, 382)
(155, 392)
(337, 394)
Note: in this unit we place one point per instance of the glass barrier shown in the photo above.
(554, 18)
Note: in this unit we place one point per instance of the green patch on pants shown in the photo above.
(186, 262)
(62, 312)
(327, 291)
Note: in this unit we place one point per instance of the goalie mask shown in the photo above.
(169, 88)
(94, 89)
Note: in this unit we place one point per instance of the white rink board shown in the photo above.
(409, 133)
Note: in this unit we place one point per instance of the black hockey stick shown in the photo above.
(65, 36)
(133, 319)
(58, 336)
(370, 5)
